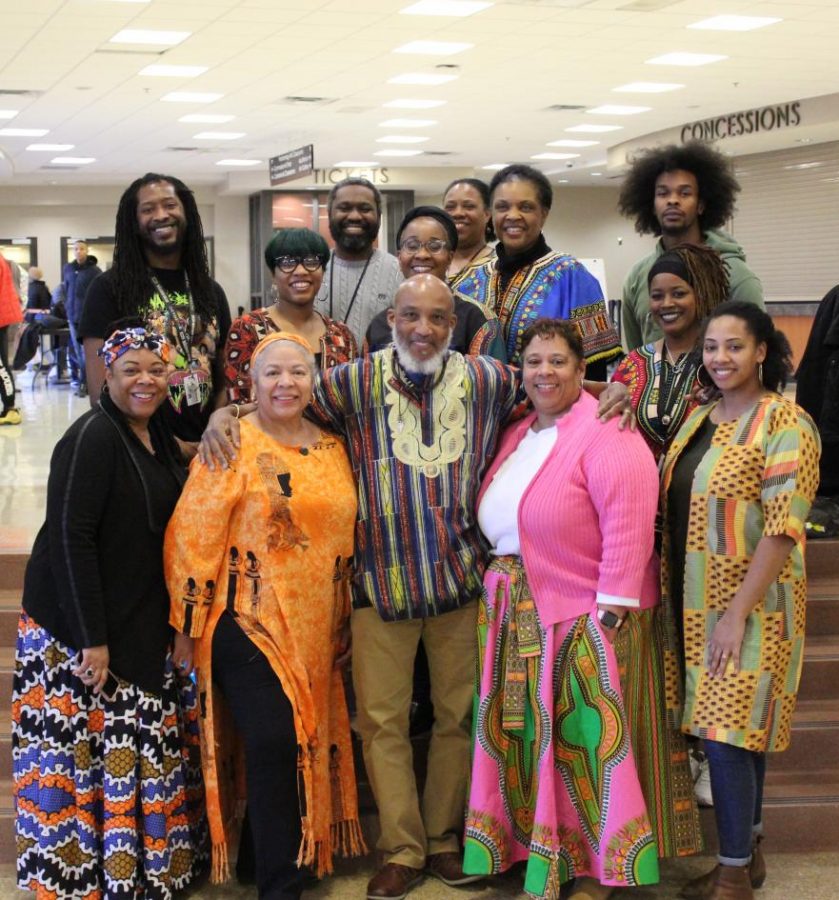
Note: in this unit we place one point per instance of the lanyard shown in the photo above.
(184, 339)
(354, 293)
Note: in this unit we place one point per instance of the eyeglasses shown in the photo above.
(414, 245)
(288, 264)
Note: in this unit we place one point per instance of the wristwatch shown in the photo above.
(608, 619)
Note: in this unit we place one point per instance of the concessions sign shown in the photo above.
(291, 165)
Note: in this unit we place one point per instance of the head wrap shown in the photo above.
(280, 336)
(671, 263)
(430, 212)
(125, 339)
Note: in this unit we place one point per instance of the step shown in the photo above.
(820, 676)
(823, 607)
(822, 559)
(815, 738)
(9, 612)
(12, 567)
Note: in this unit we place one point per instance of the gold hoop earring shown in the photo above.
(703, 376)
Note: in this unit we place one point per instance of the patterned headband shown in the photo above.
(279, 336)
(133, 339)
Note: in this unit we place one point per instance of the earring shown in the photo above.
(703, 376)
(274, 294)
(760, 372)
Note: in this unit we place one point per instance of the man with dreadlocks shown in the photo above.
(160, 273)
(685, 194)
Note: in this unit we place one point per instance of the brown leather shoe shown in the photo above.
(728, 883)
(702, 888)
(448, 867)
(393, 881)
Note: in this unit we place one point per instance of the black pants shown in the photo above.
(7, 381)
(265, 720)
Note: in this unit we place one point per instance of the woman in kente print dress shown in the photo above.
(258, 563)
(737, 483)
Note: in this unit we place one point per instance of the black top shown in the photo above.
(96, 571)
(206, 341)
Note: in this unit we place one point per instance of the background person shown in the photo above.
(10, 314)
(108, 793)
(467, 201)
(737, 483)
(77, 277)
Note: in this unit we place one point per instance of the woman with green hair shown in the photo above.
(296, 257)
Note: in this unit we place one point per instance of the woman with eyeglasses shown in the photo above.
(297, 257)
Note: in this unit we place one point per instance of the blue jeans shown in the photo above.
(737, 777)
(76, 354)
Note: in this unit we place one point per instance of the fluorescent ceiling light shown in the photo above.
(735, 23)
(409, 103)
(397, 153)
(407, 123)
(24, 132)
(8, 113)
(555, 156)
(612, 110)
(593, 129)
(427, 78)
(569, 142)
(163, 71)
(445, 8)
(206, 118)
(355, 164)
(242, 163)
(495, 167)
(218, 135)
(562, 181)
(806, 165)
(685, 59)
(72, 160)
(191, 97)
(401, 139)
(434, 48)
(647, 87)
(149, 36)
(50, 148)
(596, 174)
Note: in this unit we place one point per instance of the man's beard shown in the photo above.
(415, 366)
(354, 243)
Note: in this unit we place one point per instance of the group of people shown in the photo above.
(442, 462)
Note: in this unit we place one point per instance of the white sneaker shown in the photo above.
(701, 778)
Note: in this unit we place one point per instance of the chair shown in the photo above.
(59, 338)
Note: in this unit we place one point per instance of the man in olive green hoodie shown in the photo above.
(685, 194)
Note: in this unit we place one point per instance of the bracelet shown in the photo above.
(237, 409)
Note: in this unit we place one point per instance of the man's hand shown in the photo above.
(614, 401)
(220, 440)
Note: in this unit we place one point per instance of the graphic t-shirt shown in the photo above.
(205, 341)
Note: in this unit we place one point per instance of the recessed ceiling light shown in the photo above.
(495, 167)
(562, 181)
(407, 123)
(24, 132)
(427, 78)
(191, 97)
(735, 23)
(149, 36)
(409, 103)
(50, 148)
(401, 139)
(72, 160)
(445, 8)
(647, 87)
(397, 152)
(569, 142)
(8, 113)
(218, 135)
(596, 174)
(555, 156)
(355, 164)
(593, 129)
(162, 71)
(434, 48)
(612, 110)
(206, 118)
(242, 163)
(685, 59)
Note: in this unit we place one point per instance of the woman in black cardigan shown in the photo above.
(107, 784)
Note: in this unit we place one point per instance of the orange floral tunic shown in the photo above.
(271, 540)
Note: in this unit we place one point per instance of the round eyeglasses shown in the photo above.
(414, 245)
(288, 264)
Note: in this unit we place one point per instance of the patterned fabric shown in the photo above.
(337, 345)
(758, 478)
(488, 255)
(271, 540)
(133, 339)
(559, 790)
(643, 371)
(557, 285)
(108, 794)
(418, 454)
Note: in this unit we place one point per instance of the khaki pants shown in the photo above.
(383, 668)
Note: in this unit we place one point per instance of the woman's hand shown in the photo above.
(726, 641)
(614, 401)
(93, 667)
(343, 646)
(611, 633)
(220, 440)
(183, 651)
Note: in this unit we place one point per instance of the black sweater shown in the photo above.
(96, 571)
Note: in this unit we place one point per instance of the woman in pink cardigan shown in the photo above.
(568, 508)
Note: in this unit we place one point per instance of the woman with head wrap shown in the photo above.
(258, 562)
(105, 739)
(686, 284)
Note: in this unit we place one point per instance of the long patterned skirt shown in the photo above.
(553, 777)
(108, 795)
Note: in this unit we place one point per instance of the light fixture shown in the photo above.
(355, 164)
(647, 87)
(407, 123)
(445, 8)
(562, 180)
(241, 163)
(24, 132)
(206, 118)
(735, 23)
(610, 109)
(72, 160)
(397, 152)
(596, 174)
(218, 135)
(149, 36)
(434, 48)
(495, 167)
(426, 78)
(50, 148)
(593, 129)
(165, 71)
(8, 113)
(190, 97)
(401, 139)
(680, 58)
(569, 142)
(805, 165)
(413, 103)
(555, 156)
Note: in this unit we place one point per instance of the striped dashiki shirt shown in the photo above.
(418, 453)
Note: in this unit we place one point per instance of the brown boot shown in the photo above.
(702, 888)
(732, 884)
(757, 867)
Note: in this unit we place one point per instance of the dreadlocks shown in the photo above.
(130, 270)
(702, 268)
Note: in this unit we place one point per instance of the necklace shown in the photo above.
(674, 380)
(471, 259)
(357, 286)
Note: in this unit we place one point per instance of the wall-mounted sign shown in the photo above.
(291, 165)
(333, 176)
(751, 121)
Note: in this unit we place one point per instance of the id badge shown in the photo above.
(192, 388)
